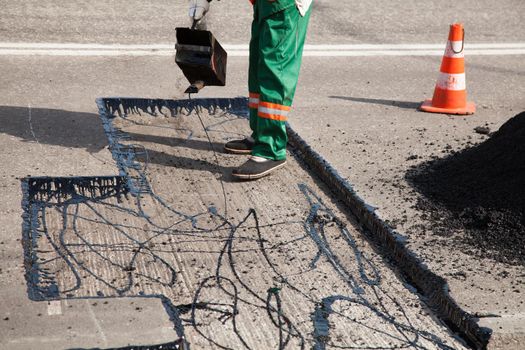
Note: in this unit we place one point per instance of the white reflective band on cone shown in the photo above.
(454, 49)
(448, 81)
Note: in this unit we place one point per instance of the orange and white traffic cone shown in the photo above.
(450, 95)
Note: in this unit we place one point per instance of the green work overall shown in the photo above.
(276, 48)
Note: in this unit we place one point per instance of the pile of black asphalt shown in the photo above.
(479, 191)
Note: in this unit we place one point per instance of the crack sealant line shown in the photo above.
(29, 223)
(432, 286)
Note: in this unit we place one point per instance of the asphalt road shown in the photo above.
(373, 22)
(37, 92)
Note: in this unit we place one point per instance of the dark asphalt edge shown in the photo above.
(430, 285)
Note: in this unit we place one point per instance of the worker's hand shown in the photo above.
(198, 9)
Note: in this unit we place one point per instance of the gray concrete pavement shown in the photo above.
(379, 21)
(83, 323)
(345, 107)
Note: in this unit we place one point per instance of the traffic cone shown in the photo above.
(450, 95)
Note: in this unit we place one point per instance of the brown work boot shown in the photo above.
(243, 146)
(257, 167)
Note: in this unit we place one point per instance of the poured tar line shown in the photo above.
(354, 50)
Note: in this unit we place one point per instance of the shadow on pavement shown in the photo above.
(394, 103)
(53, 127)
(84, 130)
(176, 141)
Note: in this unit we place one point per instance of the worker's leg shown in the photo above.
(281, 42)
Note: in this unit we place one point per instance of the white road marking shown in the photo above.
(54, 308)
(351, 50)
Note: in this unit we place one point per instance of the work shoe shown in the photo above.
(243, 146)
(257, 167)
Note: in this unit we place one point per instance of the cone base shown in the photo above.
(426, 106)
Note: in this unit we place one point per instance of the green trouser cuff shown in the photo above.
(271, 139)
